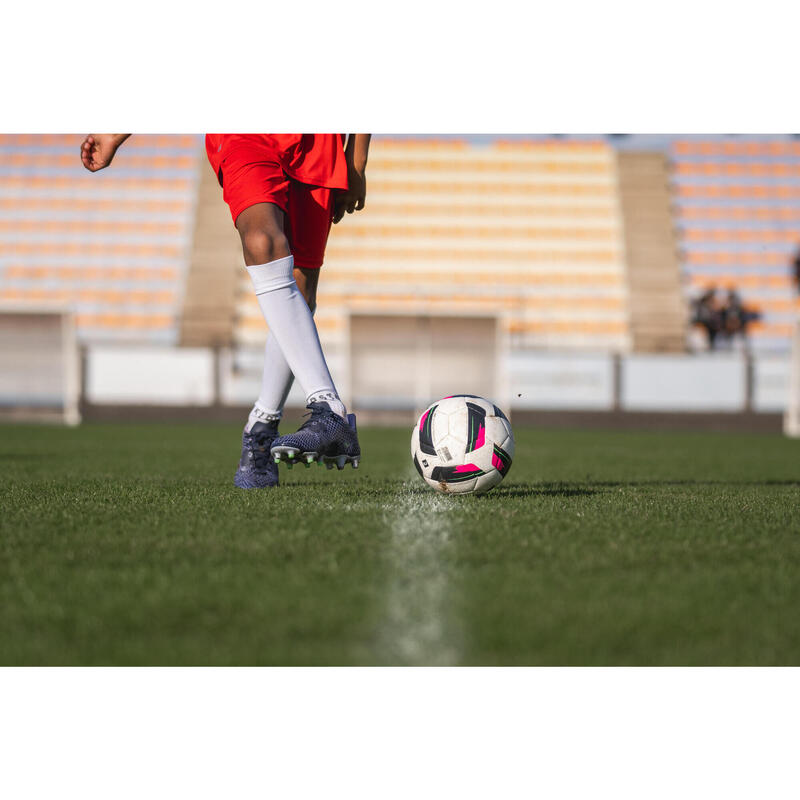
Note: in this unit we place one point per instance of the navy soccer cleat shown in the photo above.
(256, 468)
(324, 437)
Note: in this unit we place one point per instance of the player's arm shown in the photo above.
(98, 149)
(353, 199)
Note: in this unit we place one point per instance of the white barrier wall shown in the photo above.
(150, 375)
(39, 363)
(771, 376)
(118, 374)
(704, 382)
(561, 381)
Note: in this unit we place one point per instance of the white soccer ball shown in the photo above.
(462, 444)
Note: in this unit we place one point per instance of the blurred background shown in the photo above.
(575, 280)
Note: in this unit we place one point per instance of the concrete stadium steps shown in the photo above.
(658, 315)
(215, 267)
(112, 245)
(541, 205)
(428, 223)
(737, 209)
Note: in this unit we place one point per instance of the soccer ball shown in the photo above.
(462, 444)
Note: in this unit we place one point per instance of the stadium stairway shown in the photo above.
(215, 265)
(658, 313)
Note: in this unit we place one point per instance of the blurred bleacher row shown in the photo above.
(576, 243)
(114, 246)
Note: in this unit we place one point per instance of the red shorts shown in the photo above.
(251, 172)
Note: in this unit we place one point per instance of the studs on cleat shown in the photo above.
(292, 455)
(289, 455)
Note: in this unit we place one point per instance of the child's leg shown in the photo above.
(259, 193)
(271, 268)
(277, 378)
(327, 435)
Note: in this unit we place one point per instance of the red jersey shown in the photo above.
(316, 159)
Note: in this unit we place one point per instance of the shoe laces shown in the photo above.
(259, 448)
(316, 411)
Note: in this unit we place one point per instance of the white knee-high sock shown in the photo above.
(292, 325)
(276, 383)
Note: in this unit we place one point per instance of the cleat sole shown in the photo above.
(340, 461)
(292, 455)
(286, 454)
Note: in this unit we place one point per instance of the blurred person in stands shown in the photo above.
(736, 318)
(284, 191)
(796, 270)
(706, 313)
(724, 320)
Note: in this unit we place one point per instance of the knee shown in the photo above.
(261, 247)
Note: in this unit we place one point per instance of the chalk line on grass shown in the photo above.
(418, 626)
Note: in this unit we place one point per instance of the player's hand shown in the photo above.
(98, 149)
(353, 198)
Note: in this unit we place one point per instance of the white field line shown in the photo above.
(418, 626)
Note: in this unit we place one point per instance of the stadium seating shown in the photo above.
(112, 246)
(542, 232)
(737, 206)
(529, 230)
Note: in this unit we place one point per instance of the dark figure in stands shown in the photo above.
(707, 314)
(735, 317)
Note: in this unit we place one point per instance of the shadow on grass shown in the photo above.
(687, 482)
(544, 490)
(590, 487)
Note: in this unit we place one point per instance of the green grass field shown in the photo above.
(127, 544)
